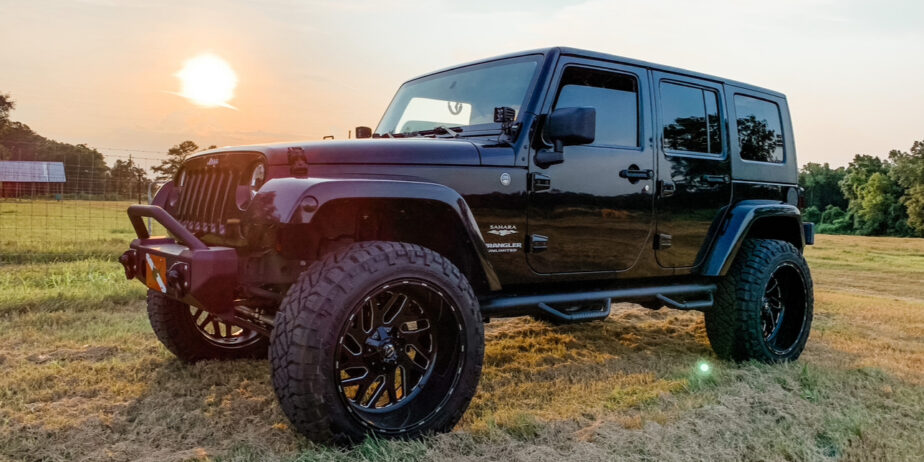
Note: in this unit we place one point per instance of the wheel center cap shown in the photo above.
(382, 342)
(389, 353)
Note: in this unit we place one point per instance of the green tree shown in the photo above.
(874, 198)
(822, 185)
(835, 221)
(6, 106)
(858, 172)
(908, 172)
(175, 158)
(127, 179)
(878, 207)
(812, 214)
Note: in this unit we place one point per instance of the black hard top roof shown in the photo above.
(619, 59)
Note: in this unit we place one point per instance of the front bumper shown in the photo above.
(188, 270)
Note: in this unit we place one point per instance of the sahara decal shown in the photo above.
(503, 230)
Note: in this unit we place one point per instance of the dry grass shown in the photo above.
(85, 379)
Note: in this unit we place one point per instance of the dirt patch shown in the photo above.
(86, 353)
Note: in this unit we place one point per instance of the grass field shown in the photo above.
(50, 231)
(83, 377)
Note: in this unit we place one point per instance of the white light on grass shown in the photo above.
(704, 367)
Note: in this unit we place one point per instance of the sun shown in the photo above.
(208, 81)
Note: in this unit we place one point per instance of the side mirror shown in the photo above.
(363, 132)
(565, 127)
(571, 126)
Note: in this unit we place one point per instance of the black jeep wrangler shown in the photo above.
(547, 183)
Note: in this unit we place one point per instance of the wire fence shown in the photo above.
(71, 209)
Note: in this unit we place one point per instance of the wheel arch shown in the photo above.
(753, 219)
(315, 216)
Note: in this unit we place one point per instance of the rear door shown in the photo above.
(694, 183)
(583, 216)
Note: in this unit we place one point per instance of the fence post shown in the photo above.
(150, 199)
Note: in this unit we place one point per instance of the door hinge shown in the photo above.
(666, 188)
(662, 241)
(539, 182)
(538, 243)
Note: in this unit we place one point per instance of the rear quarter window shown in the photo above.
(760, 130)
(690, 119)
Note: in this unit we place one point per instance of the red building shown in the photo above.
(31, 178)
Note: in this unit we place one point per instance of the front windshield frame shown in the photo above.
(467, 130)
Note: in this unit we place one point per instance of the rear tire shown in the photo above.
(379, 338)
(194, 335)
(764, 306)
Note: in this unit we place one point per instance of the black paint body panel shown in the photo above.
(602, 229)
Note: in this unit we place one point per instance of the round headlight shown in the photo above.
(258, 175)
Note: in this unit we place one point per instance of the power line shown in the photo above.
(92, 147)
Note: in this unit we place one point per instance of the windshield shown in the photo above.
(459, 98)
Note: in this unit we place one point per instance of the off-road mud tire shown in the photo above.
(175, 328)
(734, 323)
(314, 313)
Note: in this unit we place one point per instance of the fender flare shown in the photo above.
(736, 226)
(297, 200)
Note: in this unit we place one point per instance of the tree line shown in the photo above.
(86, 172)
(872, 196)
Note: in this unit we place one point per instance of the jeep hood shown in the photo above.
(420, 151)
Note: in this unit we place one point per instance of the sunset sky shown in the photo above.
(104, 72)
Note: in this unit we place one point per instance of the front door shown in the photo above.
(587, 214)
(694, 187)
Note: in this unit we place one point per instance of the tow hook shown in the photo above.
(127, 260)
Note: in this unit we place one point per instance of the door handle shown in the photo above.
(633, 174)
(719, 179)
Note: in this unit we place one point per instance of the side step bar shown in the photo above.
(577, 316)
(695, 296)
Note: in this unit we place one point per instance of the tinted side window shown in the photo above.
(760, 129)
(690, 119)
(615, 97)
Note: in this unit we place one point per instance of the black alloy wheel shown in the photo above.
(377, 338)
(764, 305)
(400, 337)
(220, 333)
(193, 334)
(782, 313)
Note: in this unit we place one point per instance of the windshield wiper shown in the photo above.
(438, 131)
(452, 132)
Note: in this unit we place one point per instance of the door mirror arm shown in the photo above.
(547, 158)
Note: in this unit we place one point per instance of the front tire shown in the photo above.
(379, 338)
(764, 306)
(196, 335)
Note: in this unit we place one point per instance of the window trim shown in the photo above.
(723, 130)
(639, 114)
(779, 114)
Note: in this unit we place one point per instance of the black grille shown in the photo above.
(207, 198)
